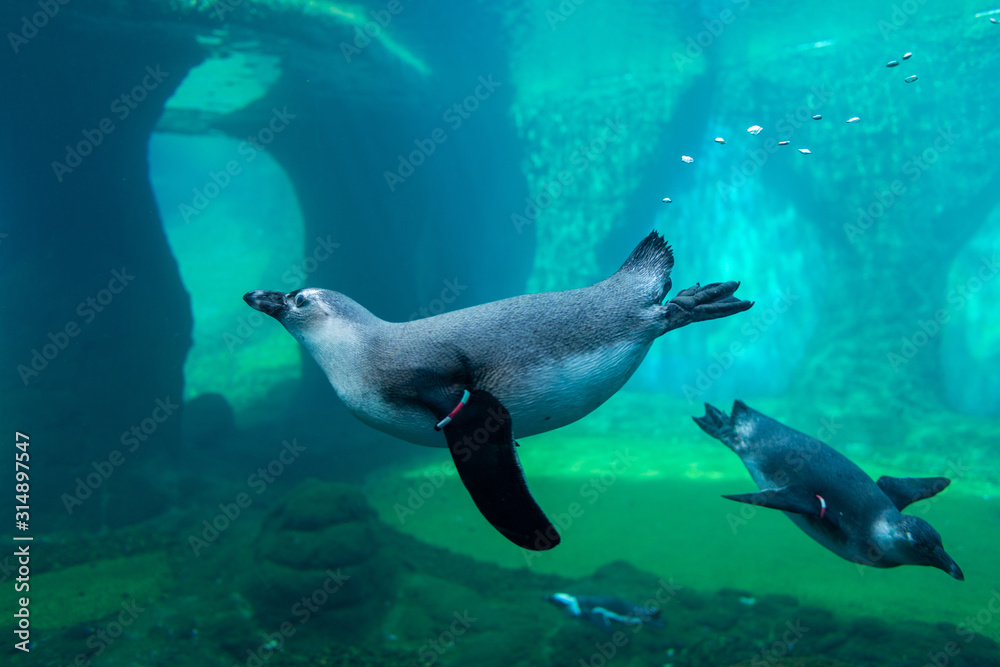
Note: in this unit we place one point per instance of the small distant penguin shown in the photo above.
(476, 378)
(830, 498)
(604, 611)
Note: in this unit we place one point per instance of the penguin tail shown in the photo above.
(649, 265)
(719, 425)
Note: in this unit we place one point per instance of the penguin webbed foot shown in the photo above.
(719, 425)
(703, 302)
(480, 438)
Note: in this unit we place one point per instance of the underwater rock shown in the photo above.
(775, 604)
(887, 202)
(82, 224)
(970, 324)
(819, 619)
(83, 594)
(589, 122)
(870, 628)
(322, 555)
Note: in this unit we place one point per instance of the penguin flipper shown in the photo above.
(903, 491)
(791, 498)
(599, 617)
(481, 441)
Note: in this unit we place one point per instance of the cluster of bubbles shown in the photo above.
(754, 130)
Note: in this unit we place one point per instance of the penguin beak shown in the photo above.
(269, 303)
(943, 561)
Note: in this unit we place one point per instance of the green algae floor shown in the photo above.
(655, 502)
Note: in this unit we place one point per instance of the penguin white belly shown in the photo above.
(406, 423)
(544, 398)
(539, 399)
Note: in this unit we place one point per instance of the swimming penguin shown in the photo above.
(830, 498)
(487, 374)
(603, 611)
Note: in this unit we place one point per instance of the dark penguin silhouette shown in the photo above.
(474, 379)
(828, 496)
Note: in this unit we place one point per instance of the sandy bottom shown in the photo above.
(662, 512)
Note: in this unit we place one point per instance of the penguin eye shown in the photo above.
(300, 300)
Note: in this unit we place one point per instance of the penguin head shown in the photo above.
(308, 309)
(324, 321)
(917, 543)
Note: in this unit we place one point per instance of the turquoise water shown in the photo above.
(197, 494)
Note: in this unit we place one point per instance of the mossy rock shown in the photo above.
(314, 505)
(89, 592)
(323, 555)
(329, 547)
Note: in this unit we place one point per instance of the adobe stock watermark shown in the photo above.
(580, 159)
(101, 640)
(246, 325)
(363, 35)
(449, 294)
(561, 13)
(454, 117)
(163, 409)
(30, 25)
(222, 7)
(967, 631)
(417, 496)
(303, 610)
(794, 461)
(605, 652)
(591, 491)
(432, 650)
(954, 471)
(913, 169)
(258, 481)
(957, 298)
(121, 107)
(974, 625)
(763, 319)
(786, 128)
(6, 570)
(779, 648)
(218, 181)
(901, 13)
(695, 45)
(87, 310)
(297, 273)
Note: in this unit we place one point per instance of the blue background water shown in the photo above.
(163, 158)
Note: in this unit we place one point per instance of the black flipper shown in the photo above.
(717, 424)
(903, 491)
(482, 444)
(700, 303)
(788, 499)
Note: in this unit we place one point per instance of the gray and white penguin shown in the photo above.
(830, 498)
(491, 373)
